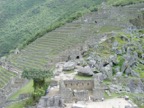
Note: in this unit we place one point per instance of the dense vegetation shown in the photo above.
(21, 22)
(38, 77)
(39, 82)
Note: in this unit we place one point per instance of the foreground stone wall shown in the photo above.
(81, 95)
(98, 93)
(51, 102)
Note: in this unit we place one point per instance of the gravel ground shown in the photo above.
(110, 103)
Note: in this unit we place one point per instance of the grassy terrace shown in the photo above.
(5, 76)
(38, 53)
(23, 21)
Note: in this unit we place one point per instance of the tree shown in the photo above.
(38, 77)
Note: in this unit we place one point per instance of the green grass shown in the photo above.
(81, 77)
(109, 29)
(21, 22)
(18, 105)
(69, 72)
(28, 88)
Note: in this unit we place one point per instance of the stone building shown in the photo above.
(73, 91)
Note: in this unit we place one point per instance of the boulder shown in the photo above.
(92, 63)
(123, 49)
(99, 76)
(124, 66)
(128, 70)
(84, 49)
(127, 89)
(124, 38)
(115, 88)
(69, 66)
(143, 56)
(84, 70)
(119, 74)
(118, 51)
(113, 59)
(141, 61)
(81, 62)
(115, 44)
(135, 55)
(135, 74)
(126, 97)
(127, 57)
(107, 70)
(117, 69)
(129, 51)
(136, 86)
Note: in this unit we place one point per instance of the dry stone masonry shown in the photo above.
(73, 91)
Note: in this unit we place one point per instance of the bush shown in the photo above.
(37, 94)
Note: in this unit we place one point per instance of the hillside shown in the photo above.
(23, 21)
(39, 53)
(109, 41)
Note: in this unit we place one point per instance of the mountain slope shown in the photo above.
(43, 50)
(22, 20)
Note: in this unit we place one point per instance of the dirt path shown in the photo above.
(110, 103)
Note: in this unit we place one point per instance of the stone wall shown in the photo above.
(13, 86)
(98, 93)
(81, 95)
(75, 90)
(51, 102)
(67, 94)
(79, 84)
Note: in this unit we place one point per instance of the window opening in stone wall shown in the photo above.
(77, 57)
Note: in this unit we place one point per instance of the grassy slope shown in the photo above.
(123, 2)
(41, 51)
(26, 89)
(21, 21)
(18, 105)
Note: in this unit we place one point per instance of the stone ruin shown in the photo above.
(51, 102)
(13, 86)
(73, 91)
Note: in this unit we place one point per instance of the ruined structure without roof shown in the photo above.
(73, 91)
